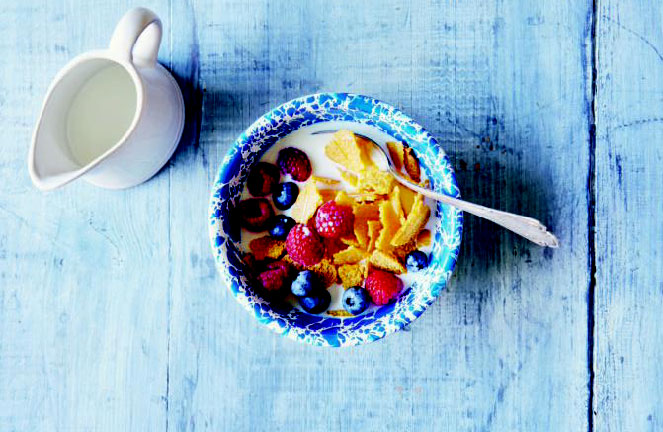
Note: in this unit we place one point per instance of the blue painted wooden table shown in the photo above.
(112, 316)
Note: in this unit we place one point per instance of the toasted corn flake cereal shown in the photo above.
(326, 272)
(351, 255)
(327, 194)
(363, 213)
(424, 238)
(395, 198)
(307, 203)
(396, 154)
(412, 165)
(326, 180)
(350, 240)
(351, 274)
(407, 199)
(366, 211)
(414, 222)
(345, 151)
(341, 313)
(401, 251)
(366, 148)
(374, 180)
(366, 197)
(374, 228)
(267, 247)
(390, 225)
(349, 178)
(342, 198)
(361, 231)
(386, 261)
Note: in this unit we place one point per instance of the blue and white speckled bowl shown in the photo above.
(247, 150)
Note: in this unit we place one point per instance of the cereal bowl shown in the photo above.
(330, 111)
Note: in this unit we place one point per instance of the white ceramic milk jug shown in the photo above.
(113, 117)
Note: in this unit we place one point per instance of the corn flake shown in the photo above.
(414, 222)
(341, 313)
(352, 274)
(342, 198)
(386, 261)
(424, 238)
(346, 151)
(375, 180)
(374, 228)
(326, 272)
(350, 240)
(366, 197)
(401, 251)
(411, 164)
(395, 198)
(267, 247)
(351, 255)
(326, 180)
(349, 178)
(361, 231)
(390, 225)
(396, 154)
(366, 148)
(327, 194)
(366, 211)
(407, 196)
(307, 203)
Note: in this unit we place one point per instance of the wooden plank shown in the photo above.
(629, 236)
(83, 310)
(112, 316)
(505, 86)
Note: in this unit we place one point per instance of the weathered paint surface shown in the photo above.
(628, 330)
(112, 316)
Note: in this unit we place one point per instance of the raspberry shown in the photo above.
(264, 176)
(382, 286)
(304, 246)
(333, 220)
(294, 162)
(254, 214)
(275, 277)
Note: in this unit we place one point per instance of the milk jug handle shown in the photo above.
(137, 37)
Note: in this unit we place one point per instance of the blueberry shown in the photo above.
(280, 226)
(356, 300)
(416, 261)
(285, 195)
(316, 303)
(304, 284)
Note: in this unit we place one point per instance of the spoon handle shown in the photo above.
(527, 227)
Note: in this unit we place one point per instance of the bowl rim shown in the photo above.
(222, 263)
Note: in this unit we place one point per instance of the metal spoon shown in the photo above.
(527, 227)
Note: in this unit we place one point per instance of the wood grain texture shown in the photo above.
(629, 232)
(498, 348)
(83, 313)
(112, 316)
